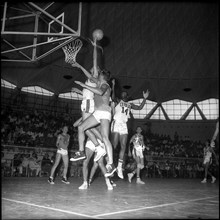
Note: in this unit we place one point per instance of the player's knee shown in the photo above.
(97, 163)
(85, 162)
(80, 128)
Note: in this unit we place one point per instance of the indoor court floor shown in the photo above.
(35, 198)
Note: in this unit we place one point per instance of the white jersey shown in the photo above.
(138, 142)
(87, 94)
(122, 110)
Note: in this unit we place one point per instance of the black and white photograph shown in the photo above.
(110, 110)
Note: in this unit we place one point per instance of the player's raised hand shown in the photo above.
(212, 144)
(95, 44)
(113, 81)
(146, 94)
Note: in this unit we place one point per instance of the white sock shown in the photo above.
(120, 162)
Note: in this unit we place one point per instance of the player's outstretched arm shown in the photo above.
(215, 134)
(98, 91)
(95, 65)
(139, 107)
(76, 90)
(87, 74)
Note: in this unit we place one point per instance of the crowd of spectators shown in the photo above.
(37, 128)
(40, 129)
(164, 146)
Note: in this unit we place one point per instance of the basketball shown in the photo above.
(97, 34)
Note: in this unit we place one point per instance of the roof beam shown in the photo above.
(152, 111)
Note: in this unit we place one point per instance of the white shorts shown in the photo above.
(99, 114)
(90, 145)
(207, 160)
(119, 127)
(138, 152)
(62, 151)
(88, 106)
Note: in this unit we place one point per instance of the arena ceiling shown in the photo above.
(172, 49)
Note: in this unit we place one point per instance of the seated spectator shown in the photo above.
(150, 168)
(24, 164)
(35, 164)
(156, 167)
(3, 163)
(46, 160)
(163, 169)
(46, 164)
(16, 163)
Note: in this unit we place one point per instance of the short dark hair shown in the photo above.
(106, 74)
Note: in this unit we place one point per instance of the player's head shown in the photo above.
(105, 75)
(124, 96)
(65, 129)
(138, 129)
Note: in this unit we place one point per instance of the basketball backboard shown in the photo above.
(26, 27)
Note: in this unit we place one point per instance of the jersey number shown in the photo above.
(124, 110)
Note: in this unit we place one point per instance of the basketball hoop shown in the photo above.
(71, 50)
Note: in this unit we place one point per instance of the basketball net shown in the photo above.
(71, 50)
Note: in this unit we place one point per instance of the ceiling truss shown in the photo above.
(65, 38)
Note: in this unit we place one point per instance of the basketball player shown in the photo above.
(101, 115)
(89, 151)
(207, 161)
(62, 152)
(87, 108)
(215, 134)
(119, 130)
(138, 146)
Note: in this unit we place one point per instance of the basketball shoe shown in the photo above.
(204, 181)
(139, 181)
(213, 179)
(80, 155)
(99, 152)
(130, 175)
(64, 180)
(113, 183)
(84, 186)
(108, 183)
(110, 169)
(50, 180)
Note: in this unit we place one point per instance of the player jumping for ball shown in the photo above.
(119, 130)
(88, 107)
(101, 115)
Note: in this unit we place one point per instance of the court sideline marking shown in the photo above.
(152, 207)
(45, 207)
